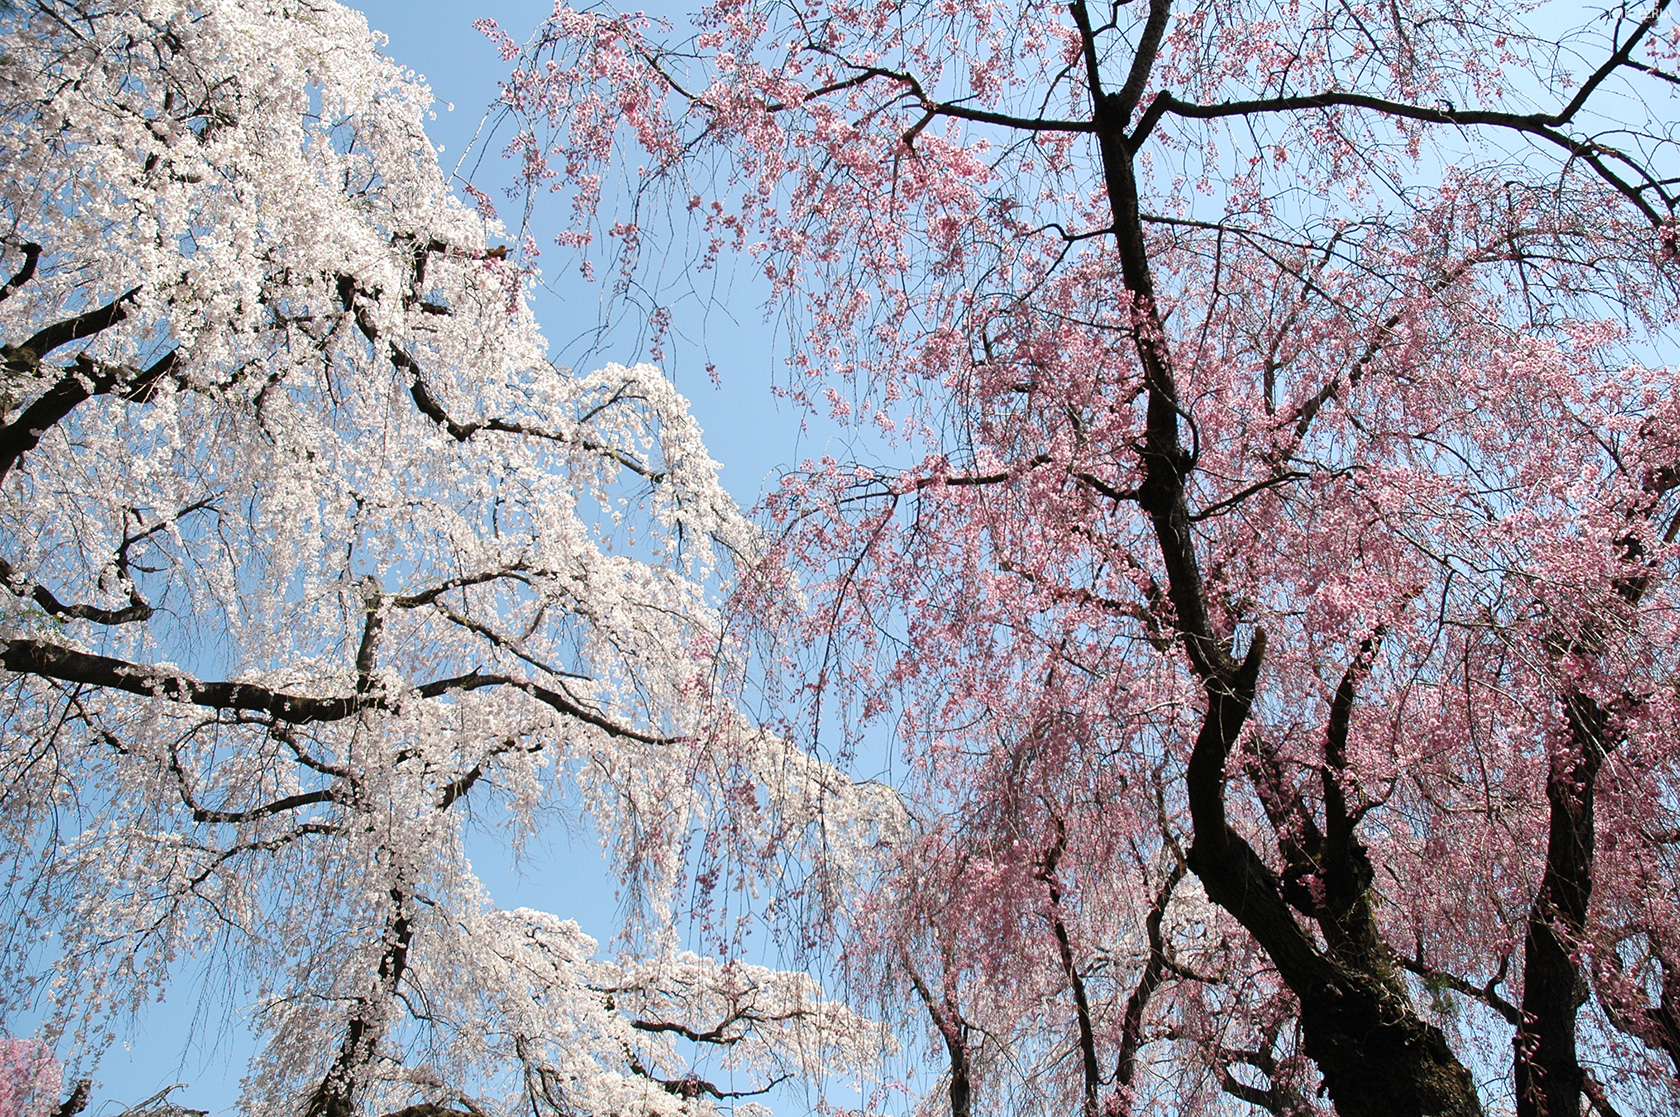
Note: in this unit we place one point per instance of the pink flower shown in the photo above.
(30, 1078)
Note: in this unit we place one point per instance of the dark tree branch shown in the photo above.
(429, 406)
(1021, 123)
(1596, 1095)
(78, 1097)
(1143, 61)
(933, 108)
(948, 1021)
(31, 256)
(1088, 49)
(1277, 1097)
(1155, 972)
(26, 358)
(54, 661)
(718, 1035)
(136, 610)
(1376, 1055)
(1487, 994)
(367, 652)
(267, 810)
(1090, 1073)
(1539, 125)
(1658, 1025)
(1549, 1075)
(88, 379)
(335, 1096)
(1226, 504)
(516, 571)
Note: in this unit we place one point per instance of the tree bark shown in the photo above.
(336, 1094)
(1378, 1058)
(1549, 1077)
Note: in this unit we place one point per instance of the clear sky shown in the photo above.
(194, 1038)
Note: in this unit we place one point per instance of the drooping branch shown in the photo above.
(1543, 126)
(1656, 1025)
(691, 1086)
(432, 1109)
(915, 91)
(24, 359)
(1596, 1095)
(1091, 1075)
(948, 1021)
(136, 610)
(1155, 971)
(429, 405)
(721, 1033)
(265, 845)
(1486, 993)
(1277, 1096)
(267, 810)
(54, 661)
(1340, 385)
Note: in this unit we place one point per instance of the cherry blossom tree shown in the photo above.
(30, 1078)
(307, 557)
(1274, 397)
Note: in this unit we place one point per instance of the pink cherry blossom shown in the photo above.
(1276, 496)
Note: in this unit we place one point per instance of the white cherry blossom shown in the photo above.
(305, 553)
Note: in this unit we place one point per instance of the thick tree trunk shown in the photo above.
(1548, 1073)
(1378, 1058)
